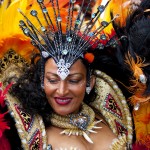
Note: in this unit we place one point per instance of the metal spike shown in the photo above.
(92, 131)
(87, 138)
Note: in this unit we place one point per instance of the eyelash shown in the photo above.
(74, 81)
(52, 81)
(56, 81)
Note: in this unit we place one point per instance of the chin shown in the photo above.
(63, 112)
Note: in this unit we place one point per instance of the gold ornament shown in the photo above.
(77, 124)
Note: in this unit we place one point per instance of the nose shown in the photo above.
(62, 89)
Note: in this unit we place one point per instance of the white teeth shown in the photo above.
(63, 100)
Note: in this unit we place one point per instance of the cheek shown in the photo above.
(48, 91)
(80, 91)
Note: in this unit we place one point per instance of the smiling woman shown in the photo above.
(61, 101)
(65, 96)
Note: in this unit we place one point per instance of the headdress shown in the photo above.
(65, 46)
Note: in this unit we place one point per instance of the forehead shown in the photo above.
(77, 67)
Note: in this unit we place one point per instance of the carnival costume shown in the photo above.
(65, 39)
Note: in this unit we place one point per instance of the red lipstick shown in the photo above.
(62, 100)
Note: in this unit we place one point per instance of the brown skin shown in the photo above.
(72, 88)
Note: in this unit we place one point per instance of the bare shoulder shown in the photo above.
(104, 137)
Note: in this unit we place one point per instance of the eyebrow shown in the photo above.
(55, 74)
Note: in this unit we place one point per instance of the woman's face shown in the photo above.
(65, 96)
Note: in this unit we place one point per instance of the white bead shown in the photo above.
(129, 118)
(19, 130)
(24, 141)
(130, 136)
(43, 133)
(123, 101)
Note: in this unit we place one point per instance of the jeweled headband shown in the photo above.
(64, 46)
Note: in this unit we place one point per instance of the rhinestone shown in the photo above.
(69, 39)
(104, 23)
(91, 34)
(26, 31)
(137, 106)
(101, 8)
(111, 42)
(103, 37)
(93, 15)
(123, 101)
(78, 22)
(59, 19)
(45, 54)
(21, 22)
(72, 1)
(33, 12)
(49, 147)
(100, 46)
(130, 136)
(43, 29)
(115, 86)
(143, 78)
(12, 113)
(44, 10)
(114, 45)
(64, 52)
(40, 1)
(88, 90)
(24, 141)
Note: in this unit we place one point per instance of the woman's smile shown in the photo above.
(62, 100)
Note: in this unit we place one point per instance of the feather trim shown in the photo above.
(141, 102)
(3, 124)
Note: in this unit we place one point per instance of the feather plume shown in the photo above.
(141, 112)
(142, 124)
(11, 36)
(135, 67)
(114, 7)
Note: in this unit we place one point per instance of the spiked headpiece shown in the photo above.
(65, 47)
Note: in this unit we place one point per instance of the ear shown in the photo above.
(92, 81)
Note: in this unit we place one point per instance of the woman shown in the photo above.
(61, 102)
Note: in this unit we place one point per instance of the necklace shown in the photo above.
(77, 124)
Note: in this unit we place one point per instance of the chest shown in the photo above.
(73, 142)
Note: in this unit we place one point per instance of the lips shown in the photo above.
(62, 101)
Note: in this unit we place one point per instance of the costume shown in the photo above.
(109, 101)
(32, 131)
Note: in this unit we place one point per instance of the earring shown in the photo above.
(88, 90)
(88, 87)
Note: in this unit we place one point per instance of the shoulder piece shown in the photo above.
(30, 128)
(119, 143)
(111, 103)
(12, 65)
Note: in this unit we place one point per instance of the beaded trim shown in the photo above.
(36, 137)
(77, 124)
(105, 85)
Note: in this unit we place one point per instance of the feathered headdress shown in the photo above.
(65, 46)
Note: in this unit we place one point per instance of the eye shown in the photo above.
(53, 81)
(74, 81)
